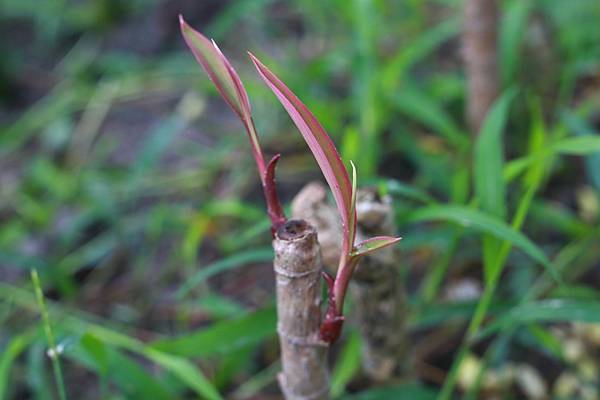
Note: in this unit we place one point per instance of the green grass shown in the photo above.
(53, 350)
(131, 191)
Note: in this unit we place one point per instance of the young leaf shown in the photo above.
(231, 88)
(227, 82)
(218, 68)
(321, 146)
(372, 244)
(511, 37)
(352, 221)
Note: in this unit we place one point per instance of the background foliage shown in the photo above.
(128, 186)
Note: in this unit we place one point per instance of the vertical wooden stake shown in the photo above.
(298, 268)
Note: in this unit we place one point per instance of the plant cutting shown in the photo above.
(304, 337)
(344, 194)
(297, 262)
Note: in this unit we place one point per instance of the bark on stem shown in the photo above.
(378, 292)
(297, 265)
(376, 288)
(480, 40)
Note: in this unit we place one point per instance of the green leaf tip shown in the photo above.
(375, 243)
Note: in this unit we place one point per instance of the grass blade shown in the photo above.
(52, 350)
(550, 310)
(222, 337)
(180, 367)
(119, 369)
(488, 165)
(420, 48)
(489, 159)
(572, 146)
(12, 350)
(512, 29)
(583, 129)
(226, 264)
(417, 105)
(487, 224)
(347, 366)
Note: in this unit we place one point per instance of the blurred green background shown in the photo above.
(128, 185)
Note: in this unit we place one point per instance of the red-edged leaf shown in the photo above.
(227, 82)
(372, 244)
(352, 222)
(231, 88)
(218, 68)
(321, 146)
(237, 82)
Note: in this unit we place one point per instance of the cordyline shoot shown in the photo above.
(344, 194)
(232, 90)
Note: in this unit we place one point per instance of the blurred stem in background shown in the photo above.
(480, 46)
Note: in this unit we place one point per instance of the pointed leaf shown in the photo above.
(240, 90)
(372, 244)
(488, 163)
(218, 68)
(352, 223)
(489, 158)
(319, 143)
(227, 82)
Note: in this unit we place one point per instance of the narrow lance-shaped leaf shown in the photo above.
(352, 216)
(321, 146)
(344, 193)
(218, 68)
(375, 243)
(230, 86)
(227, 82)
(345, 272)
